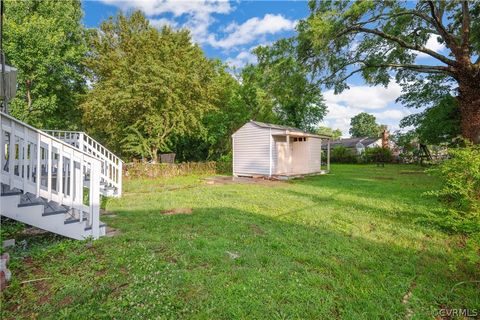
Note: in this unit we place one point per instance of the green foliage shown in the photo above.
(437, 124)
(335, 134)
(378, 155)
(381, 40)
(460, 190)
(45, 41)
(341, 154)
(364, 125)
(156, 80)
(297, 101)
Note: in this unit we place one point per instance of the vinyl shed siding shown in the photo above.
(251, 150)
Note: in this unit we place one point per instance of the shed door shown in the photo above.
(282, 157)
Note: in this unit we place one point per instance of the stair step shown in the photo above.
(6, 191)
(52, 208)
(29, 199)
(74, 220)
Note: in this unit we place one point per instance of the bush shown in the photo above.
(378, 154)
(341, 154)
(167, 170)
(460, 176)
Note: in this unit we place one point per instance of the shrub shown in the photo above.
(166, 170)
(378, 154)
(460, 176)
(341, 154)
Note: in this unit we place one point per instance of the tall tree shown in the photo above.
(45, 41)
(297, 101)
(335, 134)
(379, 40)
(364, 125)
(148, 86)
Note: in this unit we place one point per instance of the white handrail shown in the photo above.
(36, 162)
(111, 169)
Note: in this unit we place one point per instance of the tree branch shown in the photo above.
(465, 28)
(437, 19)
(417, 67)
(402, 43)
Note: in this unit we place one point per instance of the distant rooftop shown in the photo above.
(352, 142)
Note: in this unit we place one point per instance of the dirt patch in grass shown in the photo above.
(406, 299)
(175, 211)
(256, 229)
(222, 180)
(65, 301)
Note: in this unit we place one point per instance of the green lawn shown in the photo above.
(349, 245)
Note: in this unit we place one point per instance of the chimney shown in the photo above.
(385, 138)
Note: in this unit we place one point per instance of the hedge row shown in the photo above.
(167, 170)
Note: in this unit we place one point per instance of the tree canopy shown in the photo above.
(335, 134)
(364, 125)
(297, 101)
(381, 40)
(45, 41)
(148, 85)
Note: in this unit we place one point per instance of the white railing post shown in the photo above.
(11, 154)
(119, 174)
(60, 174)
(49, 169)
(95, 198)
(38, 170)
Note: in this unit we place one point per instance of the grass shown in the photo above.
(349, 245)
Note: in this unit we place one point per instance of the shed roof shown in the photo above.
(287, 128)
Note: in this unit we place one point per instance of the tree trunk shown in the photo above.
(469, 103)
(29, 97)
(154, 154)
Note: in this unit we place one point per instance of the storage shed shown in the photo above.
(264, 149)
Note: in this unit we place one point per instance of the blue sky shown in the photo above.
(230, 30)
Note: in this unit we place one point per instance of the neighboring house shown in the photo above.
(358, 145)
(263, 149)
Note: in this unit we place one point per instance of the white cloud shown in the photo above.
(251, 30)
(197, 13)
(161, 22)
(243, 58)
(378, 101)
(364, 97)
(432, 44)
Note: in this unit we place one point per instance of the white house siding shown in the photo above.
(315, 148)
(251, 146)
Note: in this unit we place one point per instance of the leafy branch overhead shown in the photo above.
(381, 42)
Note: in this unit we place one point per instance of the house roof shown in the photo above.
(287, 128)
(352, 142)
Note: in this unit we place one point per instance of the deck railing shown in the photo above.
(36, 162)
(111, 165)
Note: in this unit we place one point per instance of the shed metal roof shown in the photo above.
(286, 128)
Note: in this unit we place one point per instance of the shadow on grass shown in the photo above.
(182, 267)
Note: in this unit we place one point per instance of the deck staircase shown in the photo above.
(53, 179)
